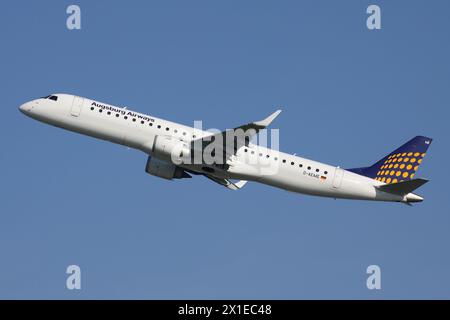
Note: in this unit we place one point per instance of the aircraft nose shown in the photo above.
(25, 108)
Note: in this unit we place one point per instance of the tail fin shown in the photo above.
(399, 165)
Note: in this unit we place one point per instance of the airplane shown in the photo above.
(170, 147)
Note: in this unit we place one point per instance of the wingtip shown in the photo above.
(240, 183)
(423, 180)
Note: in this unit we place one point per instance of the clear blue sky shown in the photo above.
(349, 96)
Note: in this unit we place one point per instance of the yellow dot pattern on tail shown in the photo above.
(408, 167)
(399, 165)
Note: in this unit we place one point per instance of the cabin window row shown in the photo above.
(194, 136)
(284, 161)
(142, 121)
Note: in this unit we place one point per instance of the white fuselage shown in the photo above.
(136, 130)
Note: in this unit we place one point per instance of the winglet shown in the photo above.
(227, 183)
(239, 184)
(267, 121)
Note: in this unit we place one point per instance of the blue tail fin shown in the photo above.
(399, 165)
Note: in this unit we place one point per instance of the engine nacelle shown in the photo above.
(171, 150)
(163, 169)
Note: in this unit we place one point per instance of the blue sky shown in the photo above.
(349, 97)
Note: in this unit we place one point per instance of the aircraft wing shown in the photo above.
(242, 134)
(227, 183)
(258, 125)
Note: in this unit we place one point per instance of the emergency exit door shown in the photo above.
(77, 104)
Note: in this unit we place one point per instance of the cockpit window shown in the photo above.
(51, 97)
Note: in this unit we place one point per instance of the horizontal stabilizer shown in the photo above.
(404, 187)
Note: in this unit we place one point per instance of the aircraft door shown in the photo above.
(77, 104)
(337, 180)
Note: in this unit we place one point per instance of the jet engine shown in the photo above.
(163, 169)
(171, 150)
